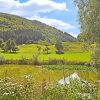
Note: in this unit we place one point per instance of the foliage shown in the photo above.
(1, 41)
(10, 90)
(74, 91)
(69, 67)
(23, 61)
(95, 57)
(2, 60)
(9, 45)
(81, 37)
(4, 47)
(85, 47)
(59, 47)
(89, 16)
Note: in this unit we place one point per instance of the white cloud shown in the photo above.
(33, 8)
(53, 22)
(30, 7)
(73, 34)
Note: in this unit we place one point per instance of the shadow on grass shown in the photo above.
(9, 52)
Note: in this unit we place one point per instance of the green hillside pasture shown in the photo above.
(28, 50)
(39, 73)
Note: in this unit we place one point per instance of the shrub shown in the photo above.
(56, 61)
(23, 61)
(59, 52)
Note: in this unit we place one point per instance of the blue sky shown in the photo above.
(61, 14)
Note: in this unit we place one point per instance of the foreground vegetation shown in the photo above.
(27, 91)
(28, 82)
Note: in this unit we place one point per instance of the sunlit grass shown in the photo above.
(28, 50)
(39, 73)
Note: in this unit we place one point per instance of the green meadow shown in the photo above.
(45, 73)
(52, 73)
(72, 51)
(41, 81)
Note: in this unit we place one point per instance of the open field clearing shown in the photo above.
(73, 54)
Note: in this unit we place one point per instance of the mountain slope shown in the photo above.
(27, 31)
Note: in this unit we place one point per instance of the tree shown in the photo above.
(13, 46)
(81, 37)
(89, 16)
(1, 41)
(95, 57)
(89, 19)
(10, 45)
(85, 47)
(95, 61)
(59, 47)
(42, 42)
(4, 47)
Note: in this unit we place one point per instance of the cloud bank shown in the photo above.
(30, 7)
(53, 22)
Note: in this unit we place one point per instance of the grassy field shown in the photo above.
(73, 52)
(16, 79)
(42, 73)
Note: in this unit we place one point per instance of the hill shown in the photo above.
(27, 31)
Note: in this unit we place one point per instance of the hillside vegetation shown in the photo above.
(27, 31)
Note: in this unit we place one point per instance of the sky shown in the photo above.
(61, 14)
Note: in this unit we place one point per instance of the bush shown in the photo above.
(35, 61)
(10, 90)
(23, 61)
(59, 52)
(56, 61)
(73, 91)
(66, 62)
